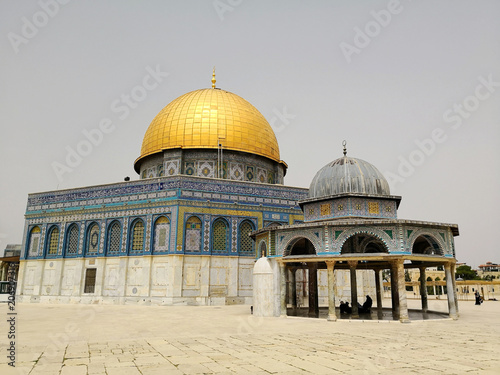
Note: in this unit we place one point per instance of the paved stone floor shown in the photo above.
(150, 340)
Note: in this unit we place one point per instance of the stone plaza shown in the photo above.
(158, 275)
(116, 339)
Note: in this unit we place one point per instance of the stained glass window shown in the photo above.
(193, 234)
(72, 244)
(246, 243)
(114, 238)
(138, 237)
(34, 241)
(93, 239)
(53, 241)
(219, 236)
(162, 234)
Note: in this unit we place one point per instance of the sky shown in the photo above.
(412, 86)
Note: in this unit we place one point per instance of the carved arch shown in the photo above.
(379, 234)
(286, 245)
(430, 236)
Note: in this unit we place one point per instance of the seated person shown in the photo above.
(344, 308)
(366, 306)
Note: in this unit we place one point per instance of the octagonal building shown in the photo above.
(210, 173)
(350, 234)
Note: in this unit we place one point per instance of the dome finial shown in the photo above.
(344, 143)
(213, 78)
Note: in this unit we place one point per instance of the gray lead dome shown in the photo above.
(348, 175)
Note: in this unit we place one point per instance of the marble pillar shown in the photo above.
(451, 295)
(378, 288)
(332, 316)
(283, 275)
(452, 265)
(403, 303)
(423, 290)
(313, 290)
(293, 282)
(394, 292)
(354, 288)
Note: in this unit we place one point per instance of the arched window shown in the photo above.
(162, 234)
(34, 242)
(137, 239)
(72, 240)
(219, 236)
(92, 240)
(114, 238)
(193, 235)
(53, 241)
(246, 245)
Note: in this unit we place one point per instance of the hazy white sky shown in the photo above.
(413, 86)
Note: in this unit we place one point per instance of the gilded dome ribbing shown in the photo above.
(203, 118)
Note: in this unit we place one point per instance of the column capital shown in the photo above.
(330, 264)
(352, 263)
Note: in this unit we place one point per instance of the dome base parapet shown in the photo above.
(228, 165)
(350, 205)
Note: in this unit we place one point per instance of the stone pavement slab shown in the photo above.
(151, 340)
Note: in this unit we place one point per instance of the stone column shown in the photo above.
(394, 292)
(287, 289)
(293, 282)
(452, 308)
(332, 317)
(452, 265)
(378, 289)
(283, 275)
(313, 290)
(423, 290)
(354, 288)
(403, 304)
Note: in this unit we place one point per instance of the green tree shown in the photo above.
(466, 273)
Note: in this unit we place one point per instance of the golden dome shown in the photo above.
(203, 118)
